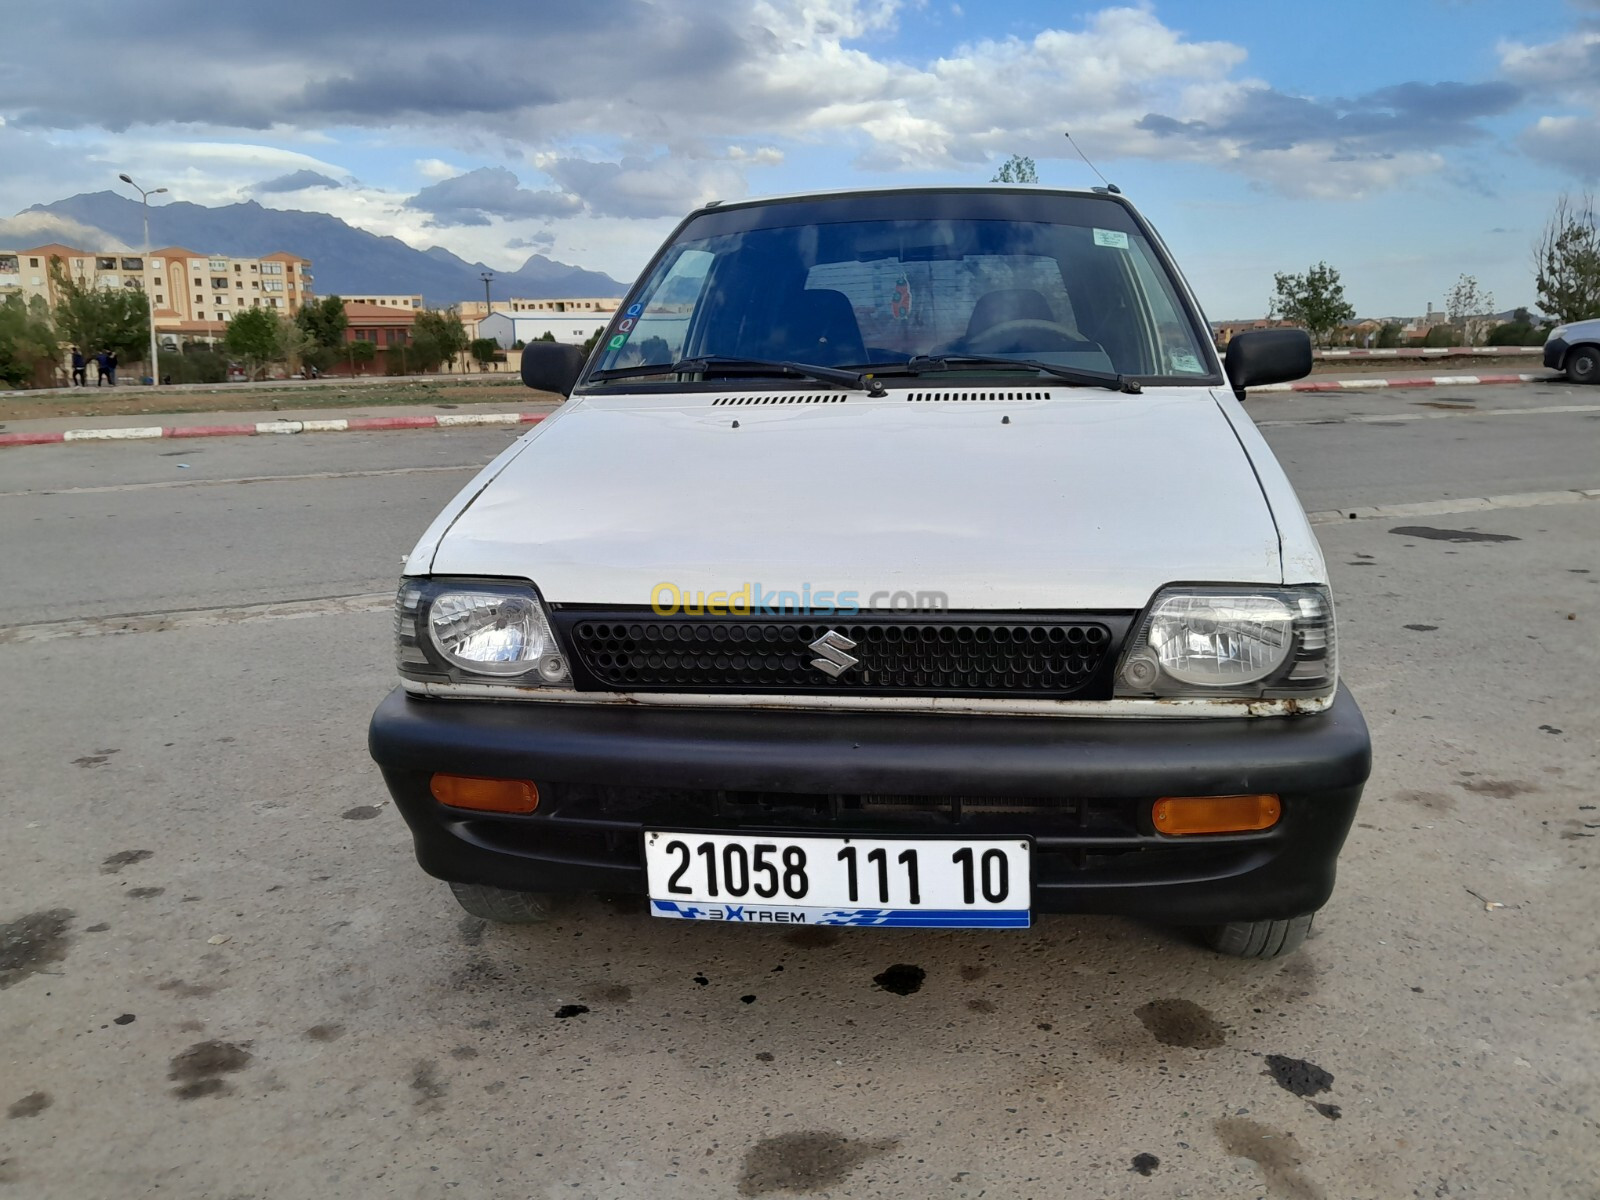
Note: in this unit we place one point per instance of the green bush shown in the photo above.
(1518, 333)
(1441, 335)
(196, 364)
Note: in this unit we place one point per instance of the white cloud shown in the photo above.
(1561, 74)
(437, 169)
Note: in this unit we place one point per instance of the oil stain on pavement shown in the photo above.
(1451, 535)
(199, 1070)
(30, 1105)
(902, 979)
(32, 942)
(1277, 1154)
(124, 858)
(1182, 1023)
(806, 1162)
(1296, 1075)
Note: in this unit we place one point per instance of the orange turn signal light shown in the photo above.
(485, 795)
(1178, 815)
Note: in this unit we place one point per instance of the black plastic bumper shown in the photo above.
(1555, 353)
(1081, 788)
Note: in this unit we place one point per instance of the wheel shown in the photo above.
(503, 906)
(1583, 364)
(1259, 939)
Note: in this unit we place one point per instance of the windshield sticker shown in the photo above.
(635, 309)
(1111, 237)
(617, 342)
(1186, 364)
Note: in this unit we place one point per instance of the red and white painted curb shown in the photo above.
(1432, 352)
(457, 420)
(333, 425)
(1357, 385)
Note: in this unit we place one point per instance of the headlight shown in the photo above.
(463, 630)
(1267, 643)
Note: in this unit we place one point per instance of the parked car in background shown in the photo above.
(900, 558)
(1575, 349)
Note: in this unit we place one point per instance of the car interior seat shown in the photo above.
(818, 326)
(1007, 304)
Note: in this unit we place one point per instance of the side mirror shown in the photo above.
(1267, 356)
(551, 366)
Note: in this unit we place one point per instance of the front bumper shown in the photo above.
(1555, 353)
(1081, 788)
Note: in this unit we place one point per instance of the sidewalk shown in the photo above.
(357, 419)
(47, 430)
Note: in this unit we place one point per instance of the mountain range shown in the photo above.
(345, 261)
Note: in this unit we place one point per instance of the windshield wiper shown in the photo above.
(918, 363)
(708, 362)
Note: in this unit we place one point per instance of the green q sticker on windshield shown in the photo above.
(1111, 237)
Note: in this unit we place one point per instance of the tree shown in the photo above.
(485, 350)
(437, 336)
(360, 352)
(1314, 301)
(28, 346)
(253, 336)
(324, 322)
(1388, 336)
(95, 319)
(1566, 260)
(1017, 169)
(1465, 302)
(294, 346)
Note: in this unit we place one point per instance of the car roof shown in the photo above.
(914, 189)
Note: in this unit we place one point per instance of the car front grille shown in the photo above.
(1047, 656)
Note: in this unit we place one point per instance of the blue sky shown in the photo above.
(1404, 143)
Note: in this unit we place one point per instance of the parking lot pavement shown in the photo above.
(222, 975)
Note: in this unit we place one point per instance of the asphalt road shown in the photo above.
(221, 974)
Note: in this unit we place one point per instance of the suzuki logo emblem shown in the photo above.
(832, 659)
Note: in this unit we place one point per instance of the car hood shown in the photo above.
(1049, 499)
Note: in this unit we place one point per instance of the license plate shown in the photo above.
(928, 883)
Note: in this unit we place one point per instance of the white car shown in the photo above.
(899, 558)
(1575, 349)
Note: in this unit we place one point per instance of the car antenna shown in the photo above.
(1110, 187)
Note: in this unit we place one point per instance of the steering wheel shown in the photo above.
(1025, 336)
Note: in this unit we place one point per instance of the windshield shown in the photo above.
(1066, 280)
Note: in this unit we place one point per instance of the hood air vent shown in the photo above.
(948, 396)
(783, 398)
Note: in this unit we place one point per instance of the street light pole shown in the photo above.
(149, 296)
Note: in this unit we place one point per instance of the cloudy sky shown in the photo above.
(1405, 143)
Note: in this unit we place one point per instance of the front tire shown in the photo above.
(1259, 939)
(1583, 364)
(501, 905)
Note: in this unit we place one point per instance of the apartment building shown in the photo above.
(475, 310)
(194, 295)
(414, 302)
